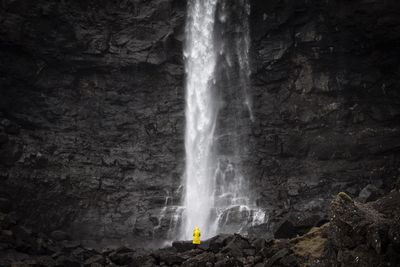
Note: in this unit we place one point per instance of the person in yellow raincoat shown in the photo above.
(196, 236)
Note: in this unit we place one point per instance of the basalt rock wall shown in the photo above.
(92, 107)
(326, 100)
(92, 110)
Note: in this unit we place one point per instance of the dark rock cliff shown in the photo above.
(92, 110)
(92, 113)
(326, 100)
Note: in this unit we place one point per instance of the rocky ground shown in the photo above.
(357, 235)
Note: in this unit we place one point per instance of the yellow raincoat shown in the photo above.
(196, 236)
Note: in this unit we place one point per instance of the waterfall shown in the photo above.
(218, 113)
(201, 115)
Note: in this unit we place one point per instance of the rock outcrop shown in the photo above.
(358, 234)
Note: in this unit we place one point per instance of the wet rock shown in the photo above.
(236, 246)
(294, 225)
(228, 261)
(122, 258)
(169, 256)
(216, 243)
(277, 256)
(290, 261)
(323, 86)
(142, 258)
(259, 244)
(182, 246)
(204, 259)
(369, 193)
(286, 230)
(361, 231)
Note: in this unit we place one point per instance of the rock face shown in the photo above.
(359, 234)
(92, 117)
(92, 111)
(326, 104)
(366, 234)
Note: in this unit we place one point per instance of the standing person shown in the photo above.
(196, 236)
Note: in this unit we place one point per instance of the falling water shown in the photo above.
(218, 108)
(201, 115)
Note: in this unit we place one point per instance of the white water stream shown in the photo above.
(216, 193)
(201, 116)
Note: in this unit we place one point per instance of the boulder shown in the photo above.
(123, 258)
(277, 256)
(258, 244)
(182, 246)
(216, 243)
(228, 262)
(290, 227)
(236, 246)
(368, 232)
(168, 256)
(369, 193)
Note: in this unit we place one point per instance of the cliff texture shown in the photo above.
(92, 111)
(326, 100)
